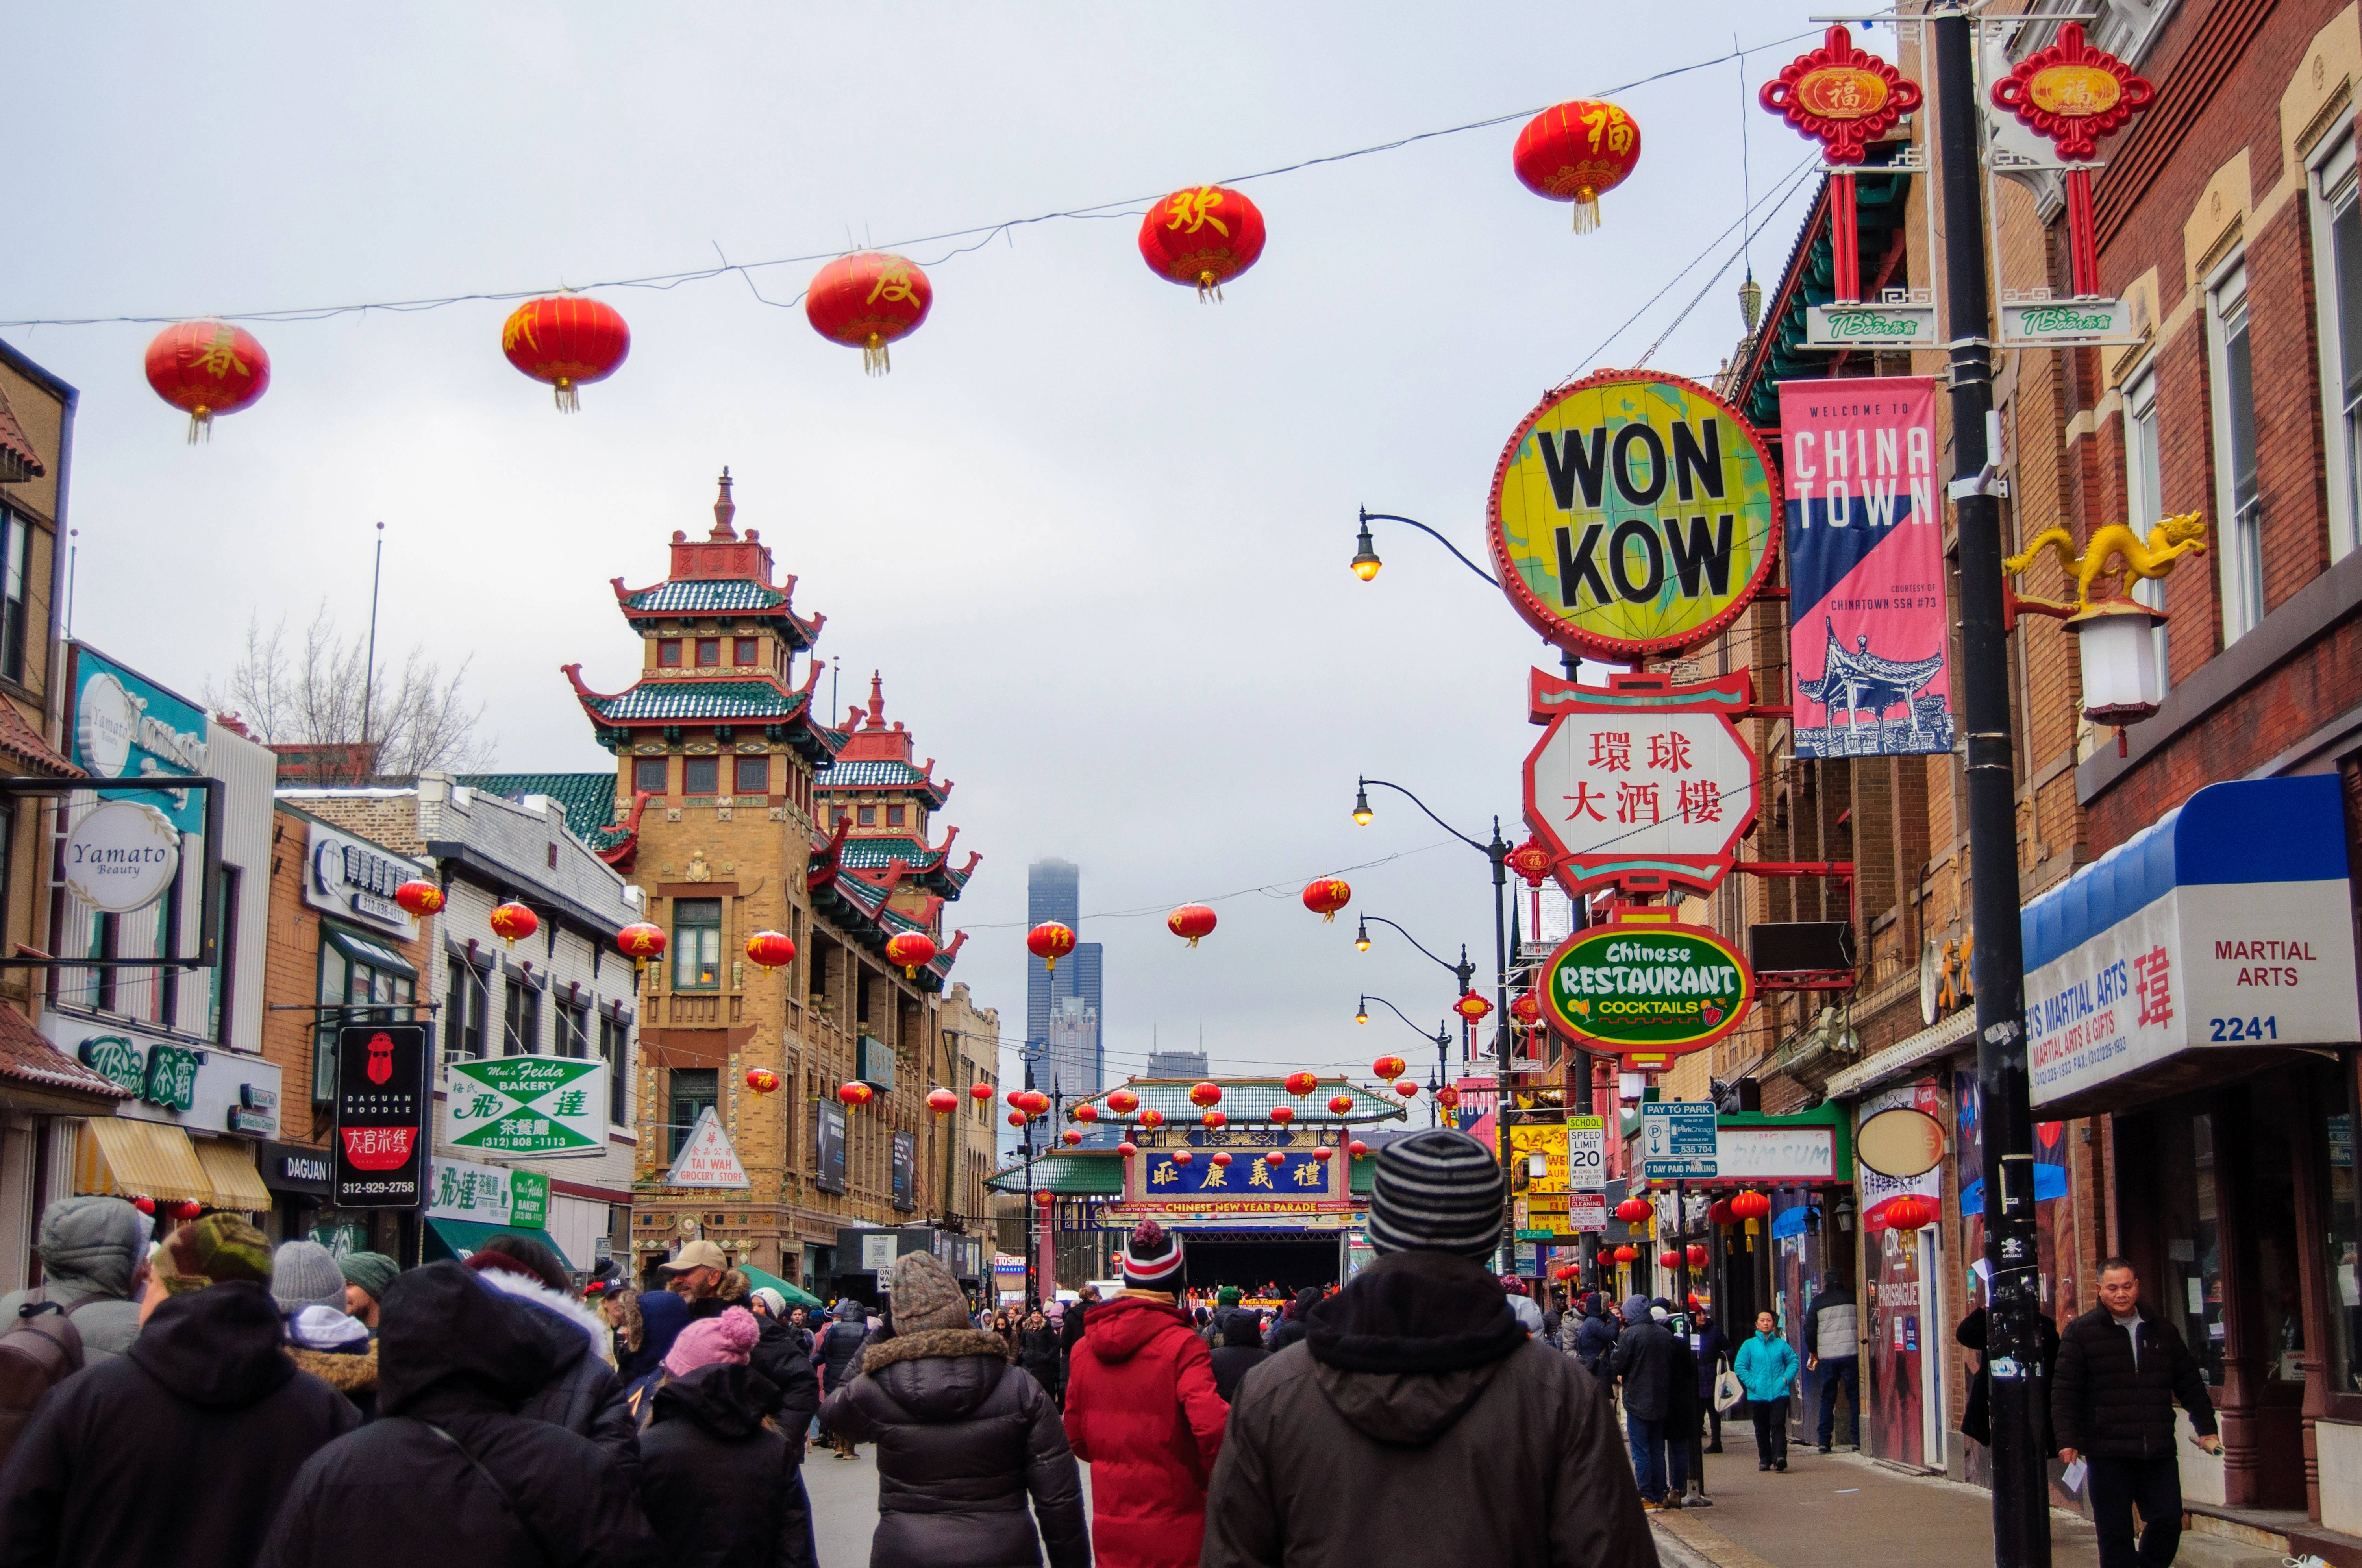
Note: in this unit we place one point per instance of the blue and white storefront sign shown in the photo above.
(2224, 926)
(127, 727)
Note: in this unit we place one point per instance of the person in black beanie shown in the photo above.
(1417, 1381)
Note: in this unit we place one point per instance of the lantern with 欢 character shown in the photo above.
(511, 923)
(1575, 151)
(1202, 238)
(866, 301)
(205, 368)
(1339, 1104)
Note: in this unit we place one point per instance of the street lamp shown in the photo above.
(1497, 852)
(1365, 554)
(1366, 561)
(1362, 938)
(1440, 1039)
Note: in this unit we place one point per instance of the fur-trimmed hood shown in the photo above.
(564, 1308)
(341, 1370)
(942, 1375)
(879, 1353)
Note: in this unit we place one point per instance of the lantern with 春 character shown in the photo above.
(1203, 236)
(204, 367)
(417, 897)
(1324, 896)
(1388, 1067)
(866, 301)
(1049, 942)
(762, 1080)
(941, 1101)
(568, 341)
(855, 1093)
(1122, 1101)
(770, 949)
(1301, 1083)
(511, 923)
(1576, 151)
(1191, 921)
(909, 949)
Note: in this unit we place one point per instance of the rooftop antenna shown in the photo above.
(368, 679)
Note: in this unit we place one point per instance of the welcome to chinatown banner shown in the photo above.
(1865, 535)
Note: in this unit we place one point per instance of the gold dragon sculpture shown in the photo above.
(2152, 557)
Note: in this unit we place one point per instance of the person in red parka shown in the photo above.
(1142, 1413)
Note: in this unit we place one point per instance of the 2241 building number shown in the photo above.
(2230, 1029)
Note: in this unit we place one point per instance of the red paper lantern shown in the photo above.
(1192, 920)
(1324, 896)
(1043, 1199)
(1213, 1121)
(1203, 236)
(1122, 1101)
(979, 1092)
(204, 367)
(511, 923)
(1340, 1103)
(1471, 1007)
(1625, 1254)
(1699, 1256)
(770, 949)
(1322, 1153)
(1070, 1137)
(1206, 1094)
(1574, 151)
(1301, 1084)
(1406, 1087)
(1033, 1102)
(941, 1101)
(866, 301)
(1719, 1212)
(1632, 1210)
(1050, 942)
(1152, 1119)
(418, 898)
(1182, 1156)
(1669, 1258)
(1274, 1158)
(1531, 861)
(1085, 1111)
(1908, 1212)
(1750, 1205)
(145, 1204)
(187, 1208)
(1448, 1097)
(640, 942)
(568, 341)
(1017, 1118)
(1283, 1114)
(1357, 1148)
(762, 1080)
(1127, 1148)
(1389, 1067)
(1564, 1272)
(855, 1093)
(909, 949)
(1221, 1160)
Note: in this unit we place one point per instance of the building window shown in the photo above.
(2145, 492)
(614, 1044)
(709, 652)
(747, 651)
(697, 945)
(463, 1010)
(2239, 497)
(15, 570)
(868, 816)
(218, 1005)
(668, 653)
(649, 775)
(894, 815)
(695, 1091)
(359, 981)
(753, 776)
(573, 1031)
(521, 1021)
(700, 775)
(2337, 289)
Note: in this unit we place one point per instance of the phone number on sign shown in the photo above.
(380, 1189)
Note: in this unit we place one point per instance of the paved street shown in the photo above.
(844, 1504)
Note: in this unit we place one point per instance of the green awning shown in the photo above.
(460, 1239)
(369, 953)
(796, 1294)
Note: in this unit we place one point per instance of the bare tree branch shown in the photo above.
(416, 719)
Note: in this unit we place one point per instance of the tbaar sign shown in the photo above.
(1633, 513)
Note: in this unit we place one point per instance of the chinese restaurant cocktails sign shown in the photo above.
(1646, 987)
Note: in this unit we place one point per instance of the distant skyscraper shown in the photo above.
(1085, 960)
(1053, 891)
(1177, 1064)
(1070, 1059)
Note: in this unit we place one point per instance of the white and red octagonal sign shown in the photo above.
(1641, 784)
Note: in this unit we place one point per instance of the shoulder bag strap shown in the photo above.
(500, 1488)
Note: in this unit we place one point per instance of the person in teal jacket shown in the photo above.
(1767, 1368)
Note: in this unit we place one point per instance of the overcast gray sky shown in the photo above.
(1094, 533)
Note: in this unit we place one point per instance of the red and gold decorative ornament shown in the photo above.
(1182, 1156)
(855, 1093)
(145, 1204)
(1033, 1102)
(1575, 151)
(187, 1208)
(1471, 1007)
(1191, 921)
(1127, 1148)
(1043, 1199)
(1122, 1101)
(1070, 1137)
(1841, 95)
(979, 1092)
(941, 1101)
(1448, 1097)
(1206, 1094)
(1526, 1008)
(1324, 896)
(1213, 1121)
(770, 949)
(1221, 1160)
(866, 301)
(762, 1080)
(1017, 1118)
(1531, 861)
(205, 368)
(1283, 1114)
(1632, 1210)
(511, 923)
(1719, 1212)
(1750, 1205)
(1085, 1111)
(568, 341)
(1152, 1119)
(1202, 237)
(1050, 942)
(909, 949)
(1300, 1084)
(1274, 1158)
(640, 942)
(1339, 1104)
(1908, 1212)
(2073, 94)
(1671, 1258)
(418, 897)
(1389, 1067)
(1625, 1254)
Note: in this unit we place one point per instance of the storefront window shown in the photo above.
(2190, 1232)
(2331, 1096)
(697, 945)
(694, 1091)
(521, 1027)
(363, 983)
(2271, 1219)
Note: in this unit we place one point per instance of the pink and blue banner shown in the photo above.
(1867, 641)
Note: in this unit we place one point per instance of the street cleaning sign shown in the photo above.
(530, 1105)
(1640, 987)
(1677, 1140)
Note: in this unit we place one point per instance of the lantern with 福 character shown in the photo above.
(1191, 921)
(568, 341)
(909, 949)
(855, 1093)
(1448, 1097)
(762, 1080)
(1049, 942)
(1206, 1094)
(1122, 1101)
(1202, 238)
(941, 1101)
(2075, 95)
(204, 367)
(1531, 861)
(1471, 1007)
(511, 923)
(1388, 1067)
(1324, 896)
(1152, 1119)
(1282, 1115)
(640, 942)
(770, 949)
(1844, 97)
(1302, 1083)
(1213, 1121)
(418, 897)
(866, 301)
(1576, 151)
(1339, 1104)
(1526, 1009)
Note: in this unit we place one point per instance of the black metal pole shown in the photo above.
(2021, 1482)
(1499, 853)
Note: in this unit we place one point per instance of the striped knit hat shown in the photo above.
(1437, 1191)
(1151, 1259)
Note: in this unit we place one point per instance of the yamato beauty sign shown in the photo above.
(1647, 988)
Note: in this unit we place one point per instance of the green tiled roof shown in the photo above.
(587, 799)
(1251, 1100)
(707, 594)
(875, 853)
(1068, 1176)
(878, 775)
(675, 700)
(1365, 1174)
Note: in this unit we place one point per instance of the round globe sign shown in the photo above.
(122, 856)
(1642, 987)
(1632, 513)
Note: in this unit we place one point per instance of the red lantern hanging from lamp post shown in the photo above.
(568, 341)
(2074, 94)
(1203, 236)
(1576, 151)
(1844, 97)
(205, 368)
(867, 301)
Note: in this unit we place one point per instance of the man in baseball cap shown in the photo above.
(696, 1272)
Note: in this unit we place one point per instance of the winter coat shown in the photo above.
(1415, 1383)
(582, 1393)
(1143, 1414)
(1767, 1367)
(1072, 1326)
(1710, 1347)
(1833, 1324)
(1643, 1361)
(1593, 1341)
(513, 1493)
(206, 1393)
(1682, 1402)
(90, 1248)
(1240, 1352)
(1976, 1420)
(779, 1355)
(351, 1372)
(2101, 1403)
(721, 1490)
(964, 1439)
(1290, 1326)
(840, 1348)
(1528, 1315)
(663, 1315)
(1037, 1353)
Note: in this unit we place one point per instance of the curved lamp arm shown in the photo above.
(1460, 971)
(1369, 554)
(1441, 1036)
(1363, 807)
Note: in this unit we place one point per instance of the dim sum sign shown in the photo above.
(122, 856)
(1631, 513)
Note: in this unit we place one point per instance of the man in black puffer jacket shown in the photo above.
(963, 1440)
(583, 1395)
(2120, 1370)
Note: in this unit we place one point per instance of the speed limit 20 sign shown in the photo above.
(1586, 1153)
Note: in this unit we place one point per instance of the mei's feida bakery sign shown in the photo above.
(2221, 931)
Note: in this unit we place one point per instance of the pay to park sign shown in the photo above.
(1642, 987)
(530, 1105)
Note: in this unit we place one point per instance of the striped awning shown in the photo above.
(117, 1156)
(229, 1163)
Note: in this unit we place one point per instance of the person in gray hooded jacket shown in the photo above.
(95, 1264)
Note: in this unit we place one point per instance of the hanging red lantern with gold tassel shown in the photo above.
(1324, 896)
(909, 949)
(866, 301)
(568, 341)
(1575, 153)
(204, 367)
(1203, 237)
(1190, 920)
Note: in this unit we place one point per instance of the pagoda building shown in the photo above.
(718, 807)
